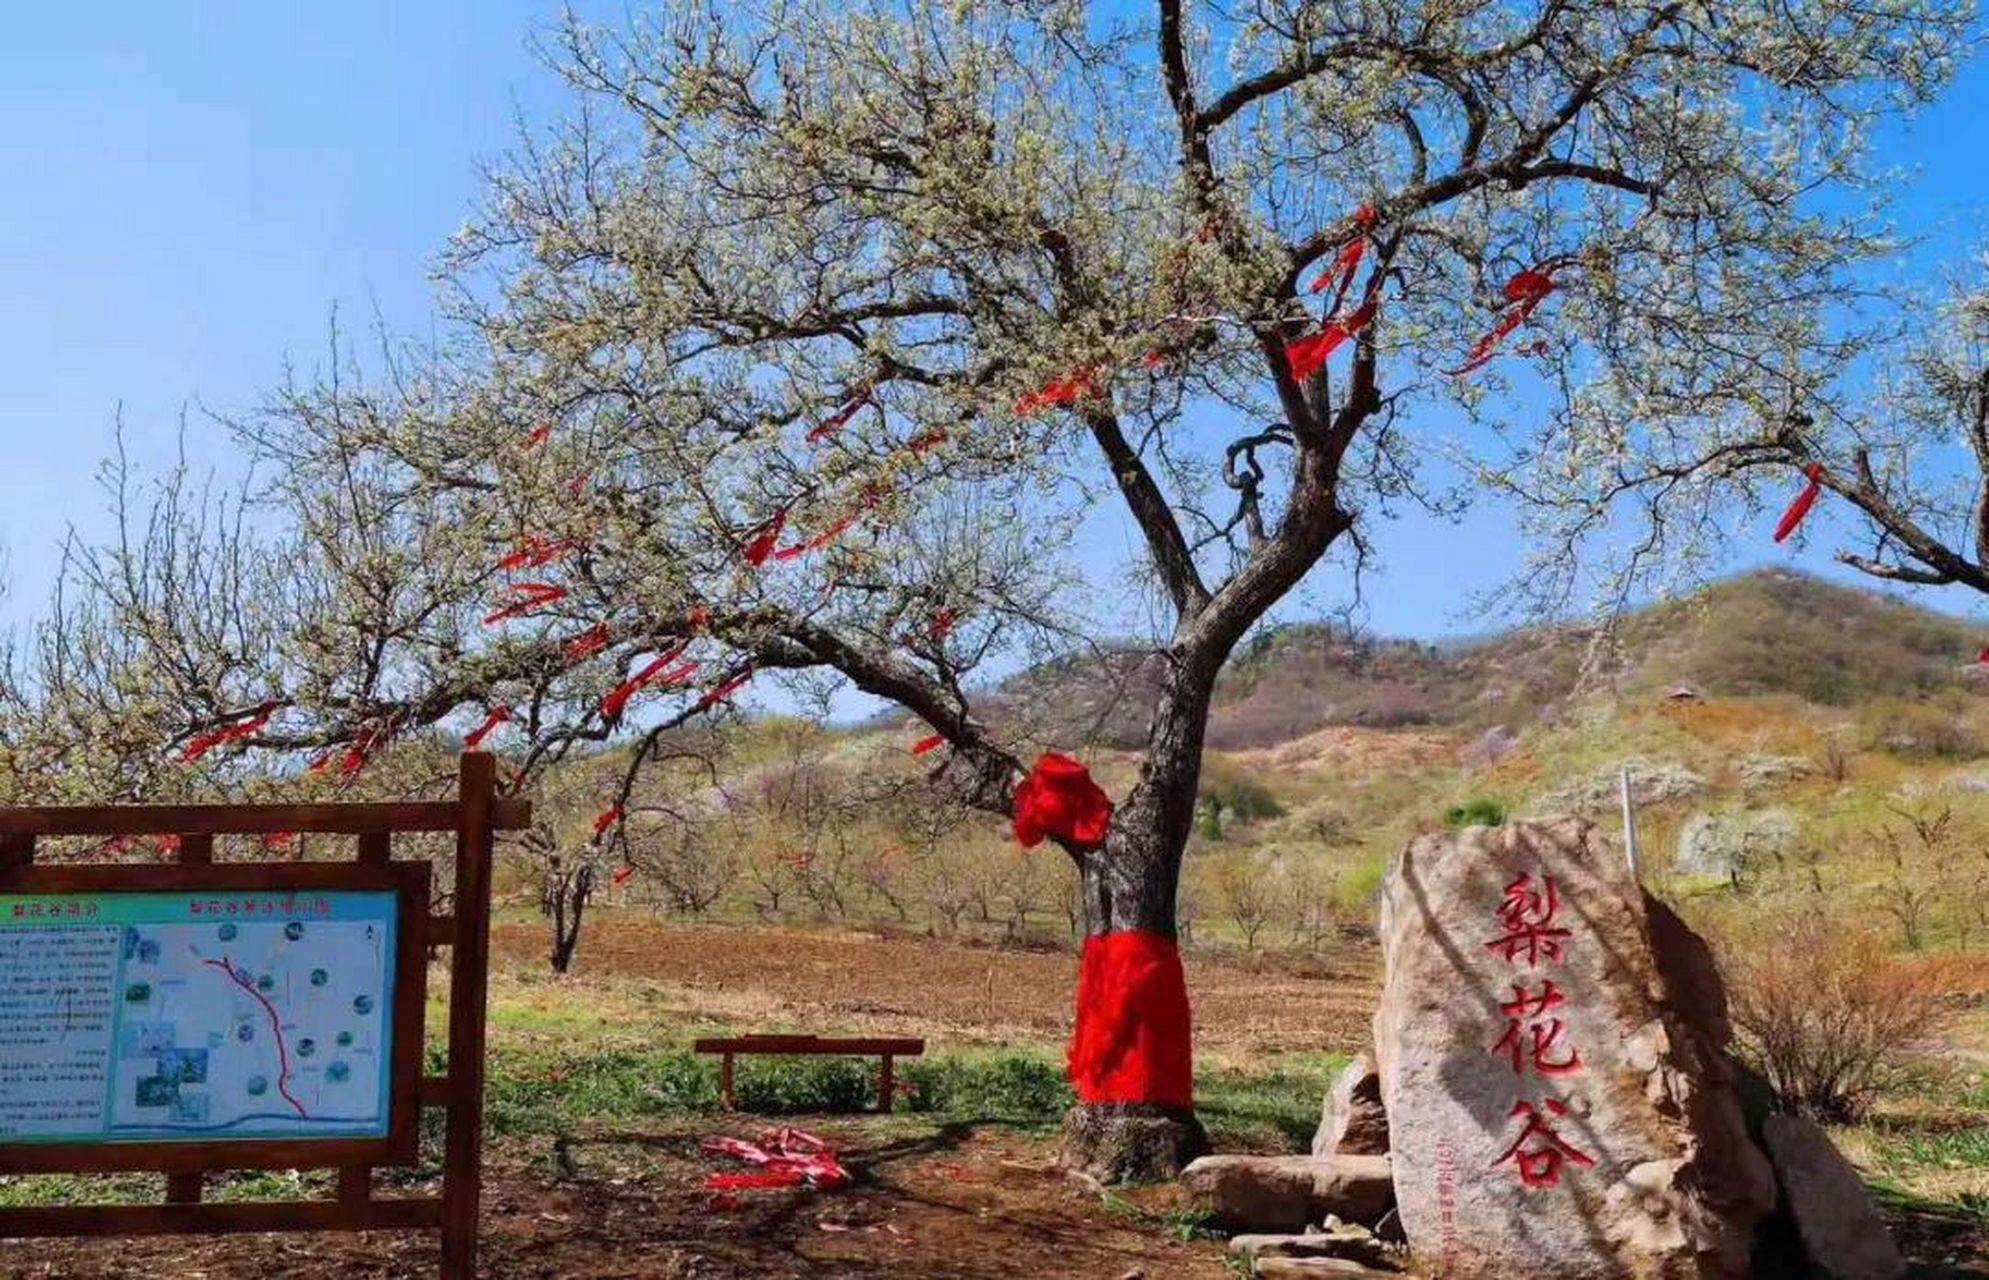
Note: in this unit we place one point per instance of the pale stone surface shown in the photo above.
(1841, 1232)
(1668, 1186)
(1353, 1122)
(1305, 1268)
(1286, 1193)
(1351, 1244)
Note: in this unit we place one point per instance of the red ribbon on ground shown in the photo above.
(784, 1158)
(1527, 290)
(607, 819)
(1132, 1040)
(1058, 798)
(932, 743)
(1308, 355)
(761, 544)
(652, 672)
(497, 716)
(213, 738)
(1067, 390)
(1803, 502)
(587, 643)
(524, 598)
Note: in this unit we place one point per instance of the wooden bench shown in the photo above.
(814, 1046)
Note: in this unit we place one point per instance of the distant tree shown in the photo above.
(908, 288)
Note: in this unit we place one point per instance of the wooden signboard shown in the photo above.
(200, 1016)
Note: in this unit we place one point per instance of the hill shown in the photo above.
(1767, 632)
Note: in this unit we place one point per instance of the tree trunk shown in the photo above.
(1128, 888)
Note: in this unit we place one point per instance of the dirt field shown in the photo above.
(821, 980)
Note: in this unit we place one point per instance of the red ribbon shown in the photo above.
(524, 598)
(942, 622)
(821, 539)
(849, 410)
(534, 551)
(929, 440)
(497, 716)
(1803, 502)
(607, 819)
(1132, 1041)
(726, 690)
(622, 875)
(367, 743)
(1308, 355)
(206, 742)
(618, 697)
(700, 617)
(787, 1158)
(587, 643)
(1059, 799)
(277, 841)
(932, 743)
(1067, 390)
(1347, 259)
(761, 545)
(1527, 290)
(537, 438)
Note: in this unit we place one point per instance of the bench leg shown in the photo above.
(725, 1080)
(886, 1086)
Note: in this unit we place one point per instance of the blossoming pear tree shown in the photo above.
(802, 348)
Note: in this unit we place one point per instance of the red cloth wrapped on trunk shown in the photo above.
(1132, 1041)
(1058, 798)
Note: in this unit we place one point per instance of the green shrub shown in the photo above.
(1483, 811)
(789, 1086)
(1011, 1087)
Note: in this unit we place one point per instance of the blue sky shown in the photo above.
(194, 187)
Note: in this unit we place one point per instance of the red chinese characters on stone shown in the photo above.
(1540, 1165)
(1528, 913)
(1533, 1035)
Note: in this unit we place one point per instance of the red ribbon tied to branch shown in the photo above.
(522, 598)
(1066, 390)
(1308, 355)
(1526, 291)
(932, 743)
(607, 819)
(761, 544)
(537, 437)
(497, 716)
(1803, 502)
(652, 672)
(1059, 799)
(587, 643)
(825, 429)
(206, 742)
(623, 875)
(1348, 258)
(727, 689)
(534, 551)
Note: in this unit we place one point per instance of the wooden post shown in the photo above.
(885, 1086)
(469, 965)
(725, 1079)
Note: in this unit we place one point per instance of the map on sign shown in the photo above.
(186, 1016)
